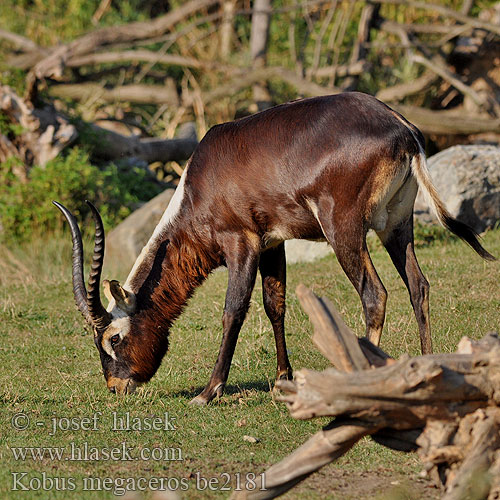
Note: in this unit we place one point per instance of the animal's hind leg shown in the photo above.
(399, 243)
(347, 236)
(272, 267)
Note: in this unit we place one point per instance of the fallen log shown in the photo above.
(114, 146)
(445, 406)
(141, 94)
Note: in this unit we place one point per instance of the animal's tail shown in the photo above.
(463, 231)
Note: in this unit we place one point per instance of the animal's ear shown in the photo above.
(124, 299)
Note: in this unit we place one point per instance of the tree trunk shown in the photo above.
(261, 19)
(227, 28)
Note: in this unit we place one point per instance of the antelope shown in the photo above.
(329, 167)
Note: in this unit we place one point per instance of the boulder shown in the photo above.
(125, 242)
(467, 179)
(306, 251)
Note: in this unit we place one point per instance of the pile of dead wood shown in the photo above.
(446, 407)
(41, 133)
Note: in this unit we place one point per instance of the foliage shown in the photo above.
(8, 128)
(427, 234)
(12, 77)
(59, 21)
(26, 208)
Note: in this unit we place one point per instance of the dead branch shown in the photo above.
(341, 70)
(227, 28)
(53, 65)
(321, 449)
(319, 40)
(446, 75)
(244, 79)
(448, 122)
(369, 14)
(449, 13)
(114, 146)
(447, 407)
(20, 42)
(144, 94)
(45, 132)
(402, 90)
(35, 144)
(340, 348)
(140, 56)
(434, 64)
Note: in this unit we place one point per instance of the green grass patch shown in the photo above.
(51, 374)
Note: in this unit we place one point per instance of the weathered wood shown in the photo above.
(53, 65)
(402, 90)
(46, 132)
(331, 335)
(468, 454)
(448, 122)
(445, 406)
(114, 146)
(35, 144)
(403, 394)
(142, 94)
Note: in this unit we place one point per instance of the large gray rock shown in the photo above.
(467, 179)
(306, 251)
(125, 242)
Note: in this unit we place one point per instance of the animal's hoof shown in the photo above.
(199, 401)
(284, 375)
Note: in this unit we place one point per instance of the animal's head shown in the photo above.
(129, 357)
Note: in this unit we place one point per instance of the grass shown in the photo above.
(51, 372)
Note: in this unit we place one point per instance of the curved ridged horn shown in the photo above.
(100, 317)
(79, 291)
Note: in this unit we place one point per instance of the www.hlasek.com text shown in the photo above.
(84, 452)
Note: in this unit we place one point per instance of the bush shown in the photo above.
(26, 209)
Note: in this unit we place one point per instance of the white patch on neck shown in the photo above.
(167, 219)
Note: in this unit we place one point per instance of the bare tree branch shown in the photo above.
(448, 122)
(144, 94)
(472, 21)
(449, 77)
(402, 90)
(53, 65)
(141, 56)
(20, 42)
(368, 16)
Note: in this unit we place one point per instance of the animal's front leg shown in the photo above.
(242, 262)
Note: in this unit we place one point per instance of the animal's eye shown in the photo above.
(114, 339)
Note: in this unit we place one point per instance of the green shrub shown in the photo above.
(26, 209)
